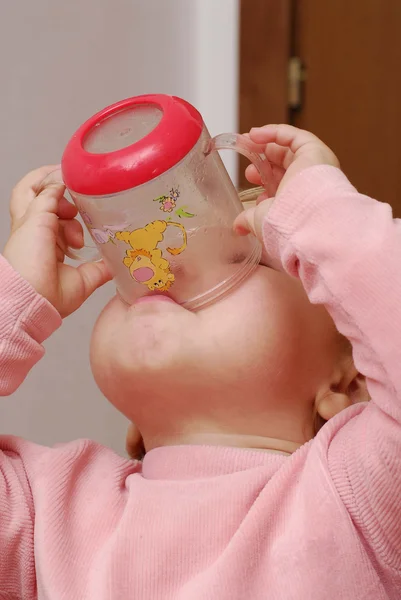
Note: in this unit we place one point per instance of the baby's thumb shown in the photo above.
(94, 275)
(251, 219)
(245, 222)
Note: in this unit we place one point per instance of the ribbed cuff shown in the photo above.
(19, 302)
(302, 197)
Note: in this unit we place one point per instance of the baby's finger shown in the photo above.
(60, 254)
(94, 275)
(279, 155)
(251, 220)
(48, 200)
(49, 193)
(67, 237)
(33, 181)
(66, 210)
(72, 233)
(263, 196)
(283, 135)
(61, 241)
(244, 224)
(252, 175)
(26, 190)
(278, 174)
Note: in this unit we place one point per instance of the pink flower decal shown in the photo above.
(168, 202)
(168, 205)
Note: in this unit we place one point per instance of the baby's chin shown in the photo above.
(134, 327)
(139, 342)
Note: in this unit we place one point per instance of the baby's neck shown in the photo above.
(232, 420)
(250, 442)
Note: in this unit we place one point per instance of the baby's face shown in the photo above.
(263, 343)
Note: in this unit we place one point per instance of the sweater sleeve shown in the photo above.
(346, 249)
(26, 320)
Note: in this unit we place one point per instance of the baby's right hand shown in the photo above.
(43, 224)
(289, 151)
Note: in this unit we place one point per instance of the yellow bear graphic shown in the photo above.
(145, 261)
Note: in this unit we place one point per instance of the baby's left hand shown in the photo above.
(289, 151)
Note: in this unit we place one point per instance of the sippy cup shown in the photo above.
(158, 202)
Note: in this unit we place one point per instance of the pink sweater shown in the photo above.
(201, 523)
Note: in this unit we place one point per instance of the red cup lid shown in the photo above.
(130, 143)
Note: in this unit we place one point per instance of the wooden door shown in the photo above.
(265, 45)
(351, 53)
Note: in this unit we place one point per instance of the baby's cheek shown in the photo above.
(106, 330)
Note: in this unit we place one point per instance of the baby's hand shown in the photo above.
(43, 224)
(289, 151)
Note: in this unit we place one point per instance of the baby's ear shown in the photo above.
(347, 387)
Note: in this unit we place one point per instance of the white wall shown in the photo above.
(59, 63)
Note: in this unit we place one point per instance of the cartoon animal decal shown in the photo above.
(144, 260)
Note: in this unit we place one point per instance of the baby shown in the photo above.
(267, 473)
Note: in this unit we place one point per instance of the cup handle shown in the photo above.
(85, 254)
(253, 152)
